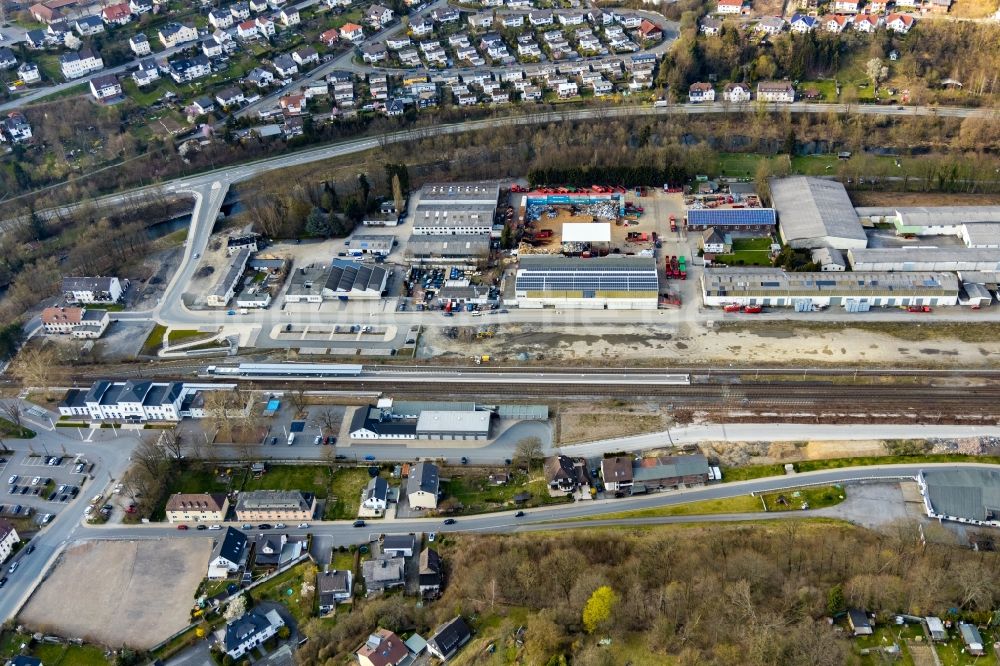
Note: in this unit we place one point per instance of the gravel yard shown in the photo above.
(116, 593)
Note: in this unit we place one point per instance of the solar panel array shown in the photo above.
(588, 276)
(730, 216)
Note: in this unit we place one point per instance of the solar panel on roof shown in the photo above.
(723, 216)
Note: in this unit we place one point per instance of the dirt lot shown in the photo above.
(589, 423)
(115, 593)
(903, 199)
(665, 345)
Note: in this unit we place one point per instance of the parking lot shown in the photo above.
(38, 486)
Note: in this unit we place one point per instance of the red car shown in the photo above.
(182, 527)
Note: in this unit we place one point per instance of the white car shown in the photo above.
(35, 480)
(89, 510)
(13, 479)
(431, 537)
(13, 567)
(215, 527)
(280, 526)
(303, 526)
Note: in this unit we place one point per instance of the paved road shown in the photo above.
(342, 532)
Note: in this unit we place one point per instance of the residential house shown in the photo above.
(36, 39)
(8, 539)
(431, 573)
(564, 475)
(449, 638)
(189, 69)
(240, 11)
(876, 6)
(289, 16)
(275, 505)
(197, 507)
(836, 23)
(174, 34)
(972, 639)
(859, 623)
(247, 30)
(220, 19)
(598, 17)
(710, 26)
(147, 73)
(399, 545)
(776, 91)
(617, 474)
(736, 92)
(203, 105)
(846, 6)
(402, 41)
(376, 495)
(802, 23)
(29, 73)
(567, 90)
(81, 63)
(92, 290)
(383, 648)
(867, 23)
(352, 32)
(247, 632)
(278, 549)
(329, 38)
(512, 20)
(421, 26)
(899, 23)
(374, 53)
(89, 25)
(230, 98)
(261, 78)
(667, 472)
(305, 55)
(211, 47)
(383, 573)
(258, 6)
(139, 45)
(378, 16)
(284, 65)
(44, 14)
(540, 17)
(483, 20)
(140, 7)
(649, 31)
(333, 587)
(729, 7)
(445, 15)
(712, 242)
(105, 87)
(770, 25)
(119, 14)
(701, 92)
(7, 58)
(59, 320)
(422, 486)
(229, 554)
(265, 27)
(571, 18)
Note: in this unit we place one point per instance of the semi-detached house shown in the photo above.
(130, 402)
(174, 34)
(81, 63)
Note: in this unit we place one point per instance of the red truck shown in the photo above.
(673, 223)
(752, 309)
(732, 307)
(919, 308)
(543, 233)
(674, 267)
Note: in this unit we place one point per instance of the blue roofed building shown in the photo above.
(728, 220)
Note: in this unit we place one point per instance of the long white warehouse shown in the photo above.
(775, 287)
(607, 283)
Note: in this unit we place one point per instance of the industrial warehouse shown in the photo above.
(813, 212)
(962, 495)
(610, 283)
(856, 291)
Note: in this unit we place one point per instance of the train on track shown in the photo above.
(269, 370)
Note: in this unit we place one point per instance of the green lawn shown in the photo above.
(885, 636)
(342, 561)
(146, 96)
(287, 590)
(70, 655)
(473, 491)
(153, 341)
(752, 244)
(206, 479)
(9, 429)
(177, 336)
(346, 488)
(741, 504)
(310, 479)
(751, 472)
(744, 258)
(836, 463)
(826, 87)
(738, 165)
(813, 498)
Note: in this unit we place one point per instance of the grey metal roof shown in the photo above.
(237, 265)
(462, 245)
(423, 476)
(87, 283)
(814, 209)
(434, 422)
(669, 467)
(524, 412)
(399, 542)
(771, 281)
(461, 192)
(965, 258)
(929, 216)
(973, 494)
(608, 274)
(255, 500)
(983, 233)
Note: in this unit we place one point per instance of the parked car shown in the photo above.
(280, 526)
(202, 527)
(247, 526)
(303, 526)
(274, 440)
(431, 537)
(519, 514)
(215, 527)
(264, 526)
(449, 521)
(182, 527)
(359, 523)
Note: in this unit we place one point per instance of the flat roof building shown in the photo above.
(726, 220)
(962, 495)
(586, 232)
(924, 259)
(468, 249)
(456, 208)
(370, 244)
(463, 193)
(813, 212)
(775, 287)
(615, 283)
(941, 220)
(225, 288)
(344, 280)
(449, 425)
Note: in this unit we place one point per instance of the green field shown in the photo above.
(739, 165)
(476, 495)
(812, 498)
(346, 488)
(153, 341)
(287, 590)
(747, 252)
(309, 479)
